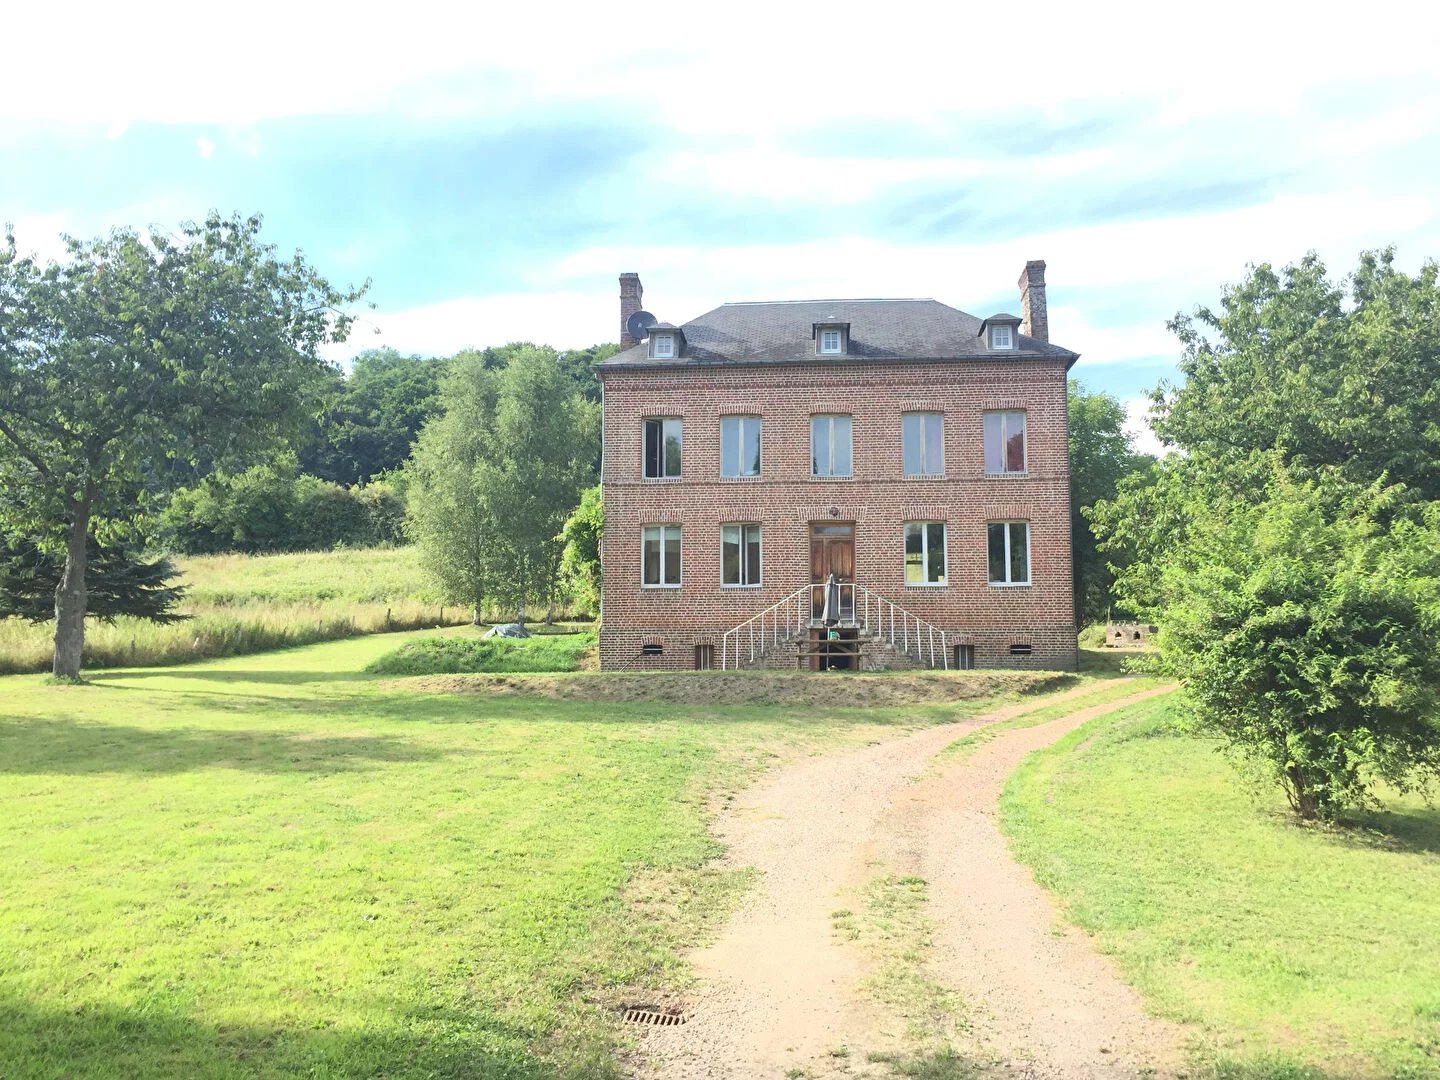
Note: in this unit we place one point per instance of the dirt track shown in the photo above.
(780, 992)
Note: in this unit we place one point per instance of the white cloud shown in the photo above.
(205, 147)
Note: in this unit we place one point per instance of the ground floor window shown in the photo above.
(924, 553)
(660, 556)
(740, 554)
(1009, 552)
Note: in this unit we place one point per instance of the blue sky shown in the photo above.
(493, 173)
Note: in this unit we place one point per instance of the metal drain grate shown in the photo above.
(654, 1014)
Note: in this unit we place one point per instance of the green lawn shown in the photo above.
(271, 866)
(1299, 952)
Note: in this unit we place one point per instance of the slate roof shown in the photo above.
(781, 333)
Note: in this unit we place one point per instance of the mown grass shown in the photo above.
(1300, 953)
(276, 866)
(455, 655)
(254, 603)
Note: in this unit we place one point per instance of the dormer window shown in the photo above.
(831, 338)
(662, 346)
(1001, 337)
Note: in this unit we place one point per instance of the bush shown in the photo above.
(467, 655)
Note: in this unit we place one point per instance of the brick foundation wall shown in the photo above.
(784, 500)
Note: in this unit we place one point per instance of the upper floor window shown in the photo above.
(662, 448)
(1002, 337)
(660, 556)
(740, 555)
(830, 341)
(662, 346)
(922, 443)
(924, 553)
(740, 446)
(1004, 443)
(830, 445)
(1009, 552)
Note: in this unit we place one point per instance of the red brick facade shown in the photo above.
(785, 500)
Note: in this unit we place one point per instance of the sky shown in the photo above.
(491, 173)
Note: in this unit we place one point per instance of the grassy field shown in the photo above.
(250, 603)
(462, 653)
(277, 866)
(1298, 952)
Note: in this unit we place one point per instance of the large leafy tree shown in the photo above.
(135, 351)
(374, 416)
(1288, 551)
(447, 516)
(1101, 456)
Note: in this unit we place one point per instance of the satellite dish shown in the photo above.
(638, 325)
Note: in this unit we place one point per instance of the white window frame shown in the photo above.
(1004, 414)
(938, 473)
(662, 528)
(832, 475)
(825, 335)
(1029, 548)
(663, 346)
(742, 420)
(760, 537)
(644, 462)
(1008, 340)
(925, 553)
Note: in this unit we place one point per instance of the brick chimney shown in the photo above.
(630, 293)
(1034, 319)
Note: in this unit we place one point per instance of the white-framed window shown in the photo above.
(740, 446)
(1001, 337)
(739, 555)
(1009, 552)
(830, 445)
(922, 443)
(1004, 442)
(663, 437)
(660, 557)
(663, 346)
(924, 553)
(830, 341)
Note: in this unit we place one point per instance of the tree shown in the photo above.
(580, 563)
(1289, 551)
(1305, 631)
(135, 351)
(446, 515)
(1100, 458)
(539, 459)
(119, 581)
(374, 417)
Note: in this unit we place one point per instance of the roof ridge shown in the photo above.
(836, 300)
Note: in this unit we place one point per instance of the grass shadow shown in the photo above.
(30, 745)
(229, 675)
(159, 1041)
(1410, 830)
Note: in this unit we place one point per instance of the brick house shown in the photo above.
(837, 483)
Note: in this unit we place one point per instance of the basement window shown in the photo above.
(704, 657)
(652, 650)
(1019, 649)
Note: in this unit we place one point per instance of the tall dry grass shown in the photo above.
(250, 603)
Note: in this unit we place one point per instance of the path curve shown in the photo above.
(780, 993)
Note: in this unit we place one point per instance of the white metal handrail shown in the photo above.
(877, 616)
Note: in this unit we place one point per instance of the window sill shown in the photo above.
(927, 584)
(750, 478)
(661, 588)
(662, 479)
(924, 476)
(841, 479)
(1025, 475)
(1009, 584)
(757, 585)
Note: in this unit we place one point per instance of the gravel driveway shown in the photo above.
(781, 994)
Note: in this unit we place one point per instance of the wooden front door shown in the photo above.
(832, 551)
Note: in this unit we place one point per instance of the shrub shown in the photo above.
(466, 655)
